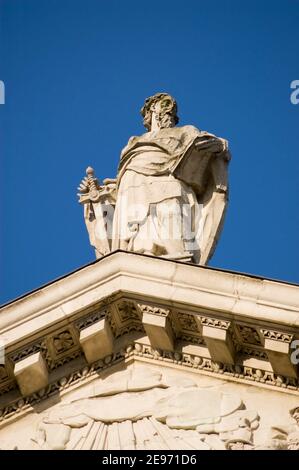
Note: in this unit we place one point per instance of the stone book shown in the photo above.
(193, 166)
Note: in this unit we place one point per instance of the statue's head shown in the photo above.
(163, 108)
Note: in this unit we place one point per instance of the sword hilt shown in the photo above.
(93, 191)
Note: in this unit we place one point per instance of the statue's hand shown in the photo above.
(89, 187)
(212, 145)
(221, 188)
(89, 182)
(83, 186)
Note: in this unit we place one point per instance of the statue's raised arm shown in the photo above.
(171, 190)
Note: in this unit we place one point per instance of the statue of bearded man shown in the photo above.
(171, 188)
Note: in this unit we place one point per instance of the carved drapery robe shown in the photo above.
(160, 206)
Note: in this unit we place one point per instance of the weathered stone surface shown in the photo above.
(217, 338)
(31, 374)
(208, 335)
(170, 194)
(145, 407)
(159, 331)
(278, 347)
(97, 340)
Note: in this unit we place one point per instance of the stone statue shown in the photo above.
(170, 194)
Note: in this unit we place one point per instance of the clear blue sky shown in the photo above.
(76, 74)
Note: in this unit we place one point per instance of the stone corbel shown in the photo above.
(97, 340)
(278, 347)
(31, 373)
(218, 339)
(157, 325)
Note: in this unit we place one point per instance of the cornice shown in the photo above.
(178, 283)
(231, 322)
(142, 352)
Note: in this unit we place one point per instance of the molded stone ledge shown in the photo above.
(97, 340)
(244, 296)
(165, 289)
(31, 374)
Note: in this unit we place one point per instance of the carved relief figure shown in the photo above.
(170, 193)
(286, 437)
(148, 411)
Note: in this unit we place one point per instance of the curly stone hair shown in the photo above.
(168, 115)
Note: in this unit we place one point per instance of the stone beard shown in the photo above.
(170, 193)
